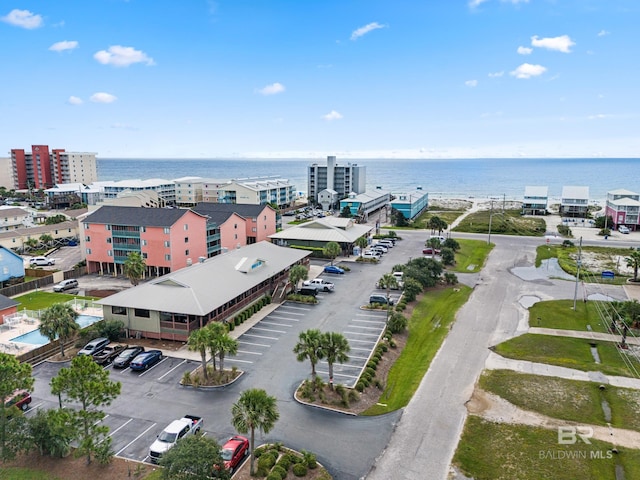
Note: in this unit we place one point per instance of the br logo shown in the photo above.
(569, 435)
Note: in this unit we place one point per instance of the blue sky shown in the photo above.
(309, 78)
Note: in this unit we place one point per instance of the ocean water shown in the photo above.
(446, 178)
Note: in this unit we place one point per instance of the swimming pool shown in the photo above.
(36, 338)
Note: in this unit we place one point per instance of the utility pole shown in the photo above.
(490, 218)
(575, 293)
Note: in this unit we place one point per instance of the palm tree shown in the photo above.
(226, 345)
(216, 331)
(198, 341)
(59, 321)
(335, 347)
(134, 267)
(31, 243)
(331, 250)
(434, 243)
(362, 243)
(297, 273)
(309, 347)
(633, 261)
(46, 239)
(254, 409)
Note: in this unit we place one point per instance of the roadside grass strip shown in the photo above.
(572, 400)
(570, 353)
(471, 257)
(561, 315)
(428, 327)
(500, 451)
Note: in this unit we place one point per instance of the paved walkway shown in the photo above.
(606, 337)
(497, 362)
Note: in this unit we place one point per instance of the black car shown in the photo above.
(124, 359)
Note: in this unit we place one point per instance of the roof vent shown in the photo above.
(201, 259)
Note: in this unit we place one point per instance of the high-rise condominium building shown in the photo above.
(44, 169)
(343, 179)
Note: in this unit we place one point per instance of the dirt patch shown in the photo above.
(71, 468)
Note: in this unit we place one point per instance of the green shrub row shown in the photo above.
(275, 462)
(248, 312)
(296, 297)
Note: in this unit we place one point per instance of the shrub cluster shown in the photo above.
(275, 462)
(248, 312)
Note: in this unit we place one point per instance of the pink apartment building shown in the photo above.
(168, 239)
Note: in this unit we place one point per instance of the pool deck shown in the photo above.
(29, 324)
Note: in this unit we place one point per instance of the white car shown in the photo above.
(623, 229)
(371, 254)
(41, 261)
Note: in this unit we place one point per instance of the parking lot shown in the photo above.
(150, 400)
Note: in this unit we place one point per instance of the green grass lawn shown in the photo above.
(42, 300)
(15, 473)
(510, 223)
(428, 327)
(471, 256)
(568, 352)
(560, 314)
(564, 399)
(607, 258)
(495, 451)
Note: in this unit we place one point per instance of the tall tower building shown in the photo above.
(343, 179)
(42, 169)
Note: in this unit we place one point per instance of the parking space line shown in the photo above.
(361, 341)
(375, 322)
(353, 357)
(376, 329)
(34, 408)
(336, 374)
(268, 329)
(361, 349)
(121, 426)
(294, 308)
(135, 440)
(241, 361)
(368, 315)
(259, 336)
(362, 334)
(254, 344)
(282, 318)
(276, 324)
(156, 365)
(160, 378)
(249, 353)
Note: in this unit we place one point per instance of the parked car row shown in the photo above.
(121, 356)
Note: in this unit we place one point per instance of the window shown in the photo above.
(186, 239)
(186, 252)
(88, 251)
(118, 310)
(265, 218)
(108, 227)
(235, 236)
(167, 243)
(167, 230)
(110, 253)
(86, 226)
(143, 229)
(167, 257)
(186, 226)
(254, 229)
(87, 238)
(144, 254)
(235, 225)
(142, 312)
(254, 219)
(143, 243)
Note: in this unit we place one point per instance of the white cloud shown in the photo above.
(515, 1)
(525, 50)
(475, 3)
(272, 89)
(366, 29)
(603, 33)
(332, 115)
(526, 70)
(74, 100)
(23, 18)
(102, 97)
(496, 74)
(471, 83)
(562, 43)
(64, 45)
(599, 116)
(120, 56)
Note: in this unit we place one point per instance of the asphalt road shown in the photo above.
(427, 435)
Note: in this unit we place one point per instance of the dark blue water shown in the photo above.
(449, 178)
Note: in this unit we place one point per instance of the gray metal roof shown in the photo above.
(242, 209)
(6, 302)
(323, 230)
(144, 217)
(574, 192)
(534, 191)
(203, 287)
